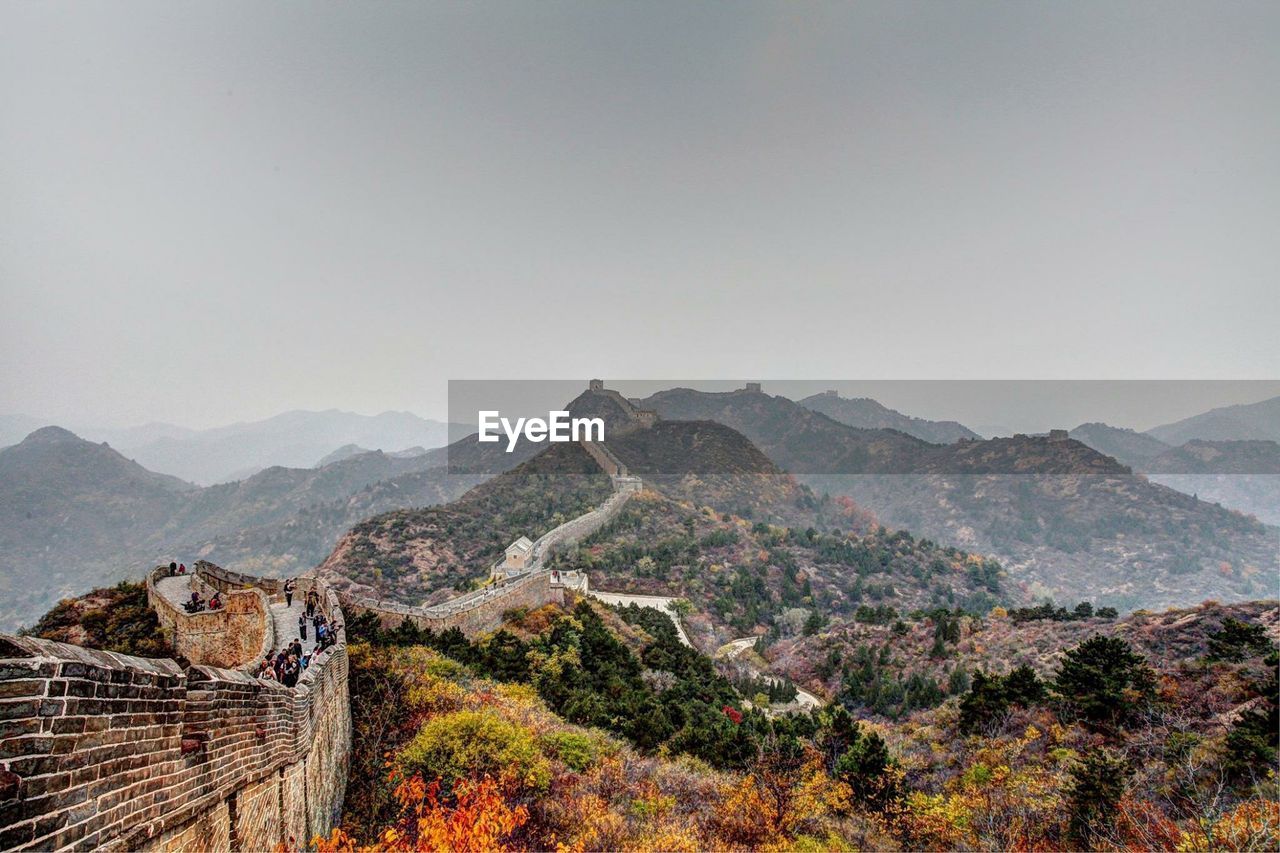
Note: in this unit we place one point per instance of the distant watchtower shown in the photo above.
(516, 556)
(1057, 435)
(595, 385)
(753, 387)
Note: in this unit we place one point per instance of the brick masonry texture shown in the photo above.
(235, 635)
(101, 750)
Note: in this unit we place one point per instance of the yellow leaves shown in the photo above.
(520, 694)
(595, 826)
(335, 842)
(938, 820)
(436, 697)
(998, 612)
(1252, 825)
(1032, 733)
(474, 743)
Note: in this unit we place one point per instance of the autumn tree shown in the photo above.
(476, 817)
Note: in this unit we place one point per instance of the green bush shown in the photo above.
(476, 744)
(578, 751)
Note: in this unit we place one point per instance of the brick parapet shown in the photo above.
(99, 749)
(236, 634)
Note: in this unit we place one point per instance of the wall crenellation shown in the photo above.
(103, 750)
(99, 749)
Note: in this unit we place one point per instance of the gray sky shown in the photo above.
(214, 212)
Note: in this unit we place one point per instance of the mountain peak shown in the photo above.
(52, 435)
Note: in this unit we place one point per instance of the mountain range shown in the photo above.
(1251, 421)
(1241, 474)
(866, 413)
(293, 439)
(74, 513)
(1065, 519)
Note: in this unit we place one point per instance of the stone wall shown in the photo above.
(584, 525)
(235, 635)
(481, 611)
(476, 613)
(605, 458)
(105, 750)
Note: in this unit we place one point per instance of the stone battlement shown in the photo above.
(235, 635)
(481, 611)
(99, 749)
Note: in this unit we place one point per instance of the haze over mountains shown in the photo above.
(868, 414)
(293, 439)
(1242, 474)
(74, 512)
(1067, 520)
(1259, 420)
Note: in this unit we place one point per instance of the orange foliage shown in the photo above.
(859, 518)
(480, 820)
(1252, 825)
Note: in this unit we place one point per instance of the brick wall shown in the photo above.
(479, 613)
(236, 634)
(605, 458)
(105, 750)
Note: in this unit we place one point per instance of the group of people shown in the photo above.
(288, 664)
(196, 604)
(325, 633)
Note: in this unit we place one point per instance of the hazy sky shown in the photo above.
(213, 212)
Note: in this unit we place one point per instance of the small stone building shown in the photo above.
(518, 554)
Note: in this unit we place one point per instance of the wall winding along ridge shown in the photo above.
(482, 610)
(102, 750)
(236, 635)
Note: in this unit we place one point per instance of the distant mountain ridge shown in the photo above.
(75, 514)
(294, 439)
(1067, 520)
(1242, 475)
(1130, 447)
(1251, 421)
(866, 413)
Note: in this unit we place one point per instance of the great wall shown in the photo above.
(100, 750)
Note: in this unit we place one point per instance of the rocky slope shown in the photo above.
(422, 555)
(1067, 521)
(829, 663)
